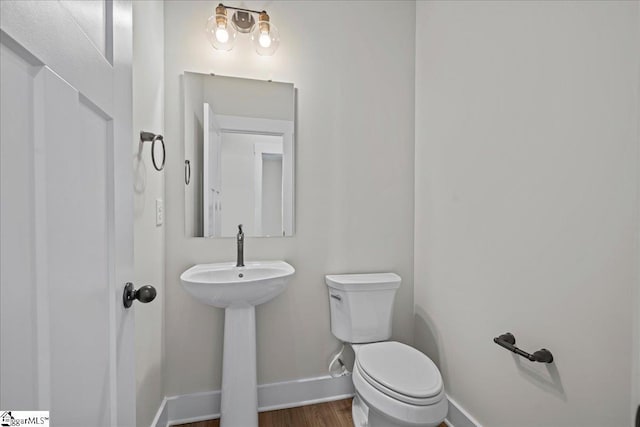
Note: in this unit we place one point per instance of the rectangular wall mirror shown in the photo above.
(239, 156)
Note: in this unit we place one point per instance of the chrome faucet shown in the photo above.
(240, 242)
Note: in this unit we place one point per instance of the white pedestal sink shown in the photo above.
(238, 290)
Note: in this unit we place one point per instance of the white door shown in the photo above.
(211, 174)
(66, 211)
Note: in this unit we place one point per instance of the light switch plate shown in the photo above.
(159, 212)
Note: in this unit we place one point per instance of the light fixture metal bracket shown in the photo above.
(243, 20)
(241, 9)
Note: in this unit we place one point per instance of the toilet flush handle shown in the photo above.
(338, 297)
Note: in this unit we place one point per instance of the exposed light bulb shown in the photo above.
(264, 39)
(265, 36)
(222, 35)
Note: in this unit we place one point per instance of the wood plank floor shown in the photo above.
(330, 414)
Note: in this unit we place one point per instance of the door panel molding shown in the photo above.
(55, 39)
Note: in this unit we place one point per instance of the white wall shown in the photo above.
(526, 195)
(249, 98)
(148, 114)
(354, 179)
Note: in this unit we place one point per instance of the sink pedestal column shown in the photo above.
(239, 400)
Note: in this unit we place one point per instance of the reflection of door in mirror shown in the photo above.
(211, 188)
(250, 183)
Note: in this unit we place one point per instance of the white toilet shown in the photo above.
(396, 385)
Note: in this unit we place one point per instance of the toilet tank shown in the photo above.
(362, 305)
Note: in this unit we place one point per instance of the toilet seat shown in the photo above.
(431, 412)
(400, 372)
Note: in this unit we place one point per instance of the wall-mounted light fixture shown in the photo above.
(222, 29)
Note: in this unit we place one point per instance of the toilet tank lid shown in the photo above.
(363, 282)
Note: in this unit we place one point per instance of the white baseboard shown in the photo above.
(458, 417)
(302, 392)
(162, 416)
(288, 394)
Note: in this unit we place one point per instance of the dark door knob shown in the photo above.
(146, 293)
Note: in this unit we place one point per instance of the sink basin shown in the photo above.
(238, 290)
(224, 285)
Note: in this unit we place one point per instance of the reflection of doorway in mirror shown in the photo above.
(211, 187)
(268, 188)
(250, 182)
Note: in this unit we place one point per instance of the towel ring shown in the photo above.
(153, 138)
(153, 152)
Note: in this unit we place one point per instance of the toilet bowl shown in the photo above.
(399, 385)
(396, 385)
